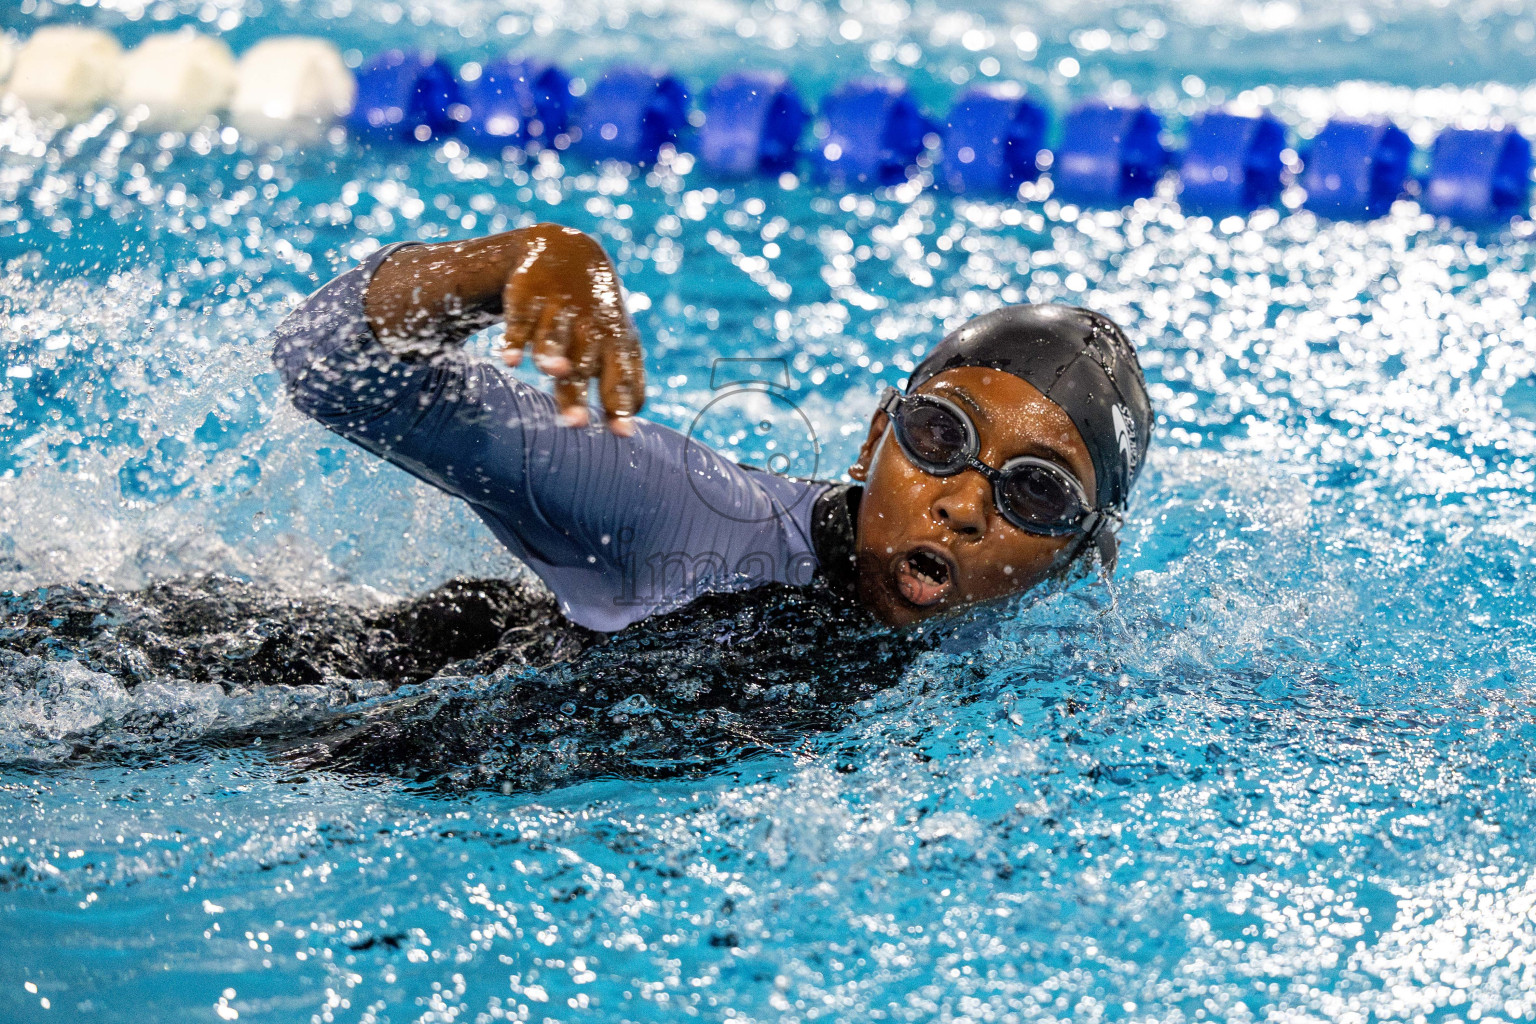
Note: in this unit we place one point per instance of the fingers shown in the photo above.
(622, 381)
(571, 398)
(616, 359)
(623, 426)
(585, 350)
(571, 392)
(573, 341)
(522, 318)
(552, 341)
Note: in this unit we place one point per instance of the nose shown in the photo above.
(963, 505)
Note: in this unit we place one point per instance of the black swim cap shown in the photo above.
(1078, 359)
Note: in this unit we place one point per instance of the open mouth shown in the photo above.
(923, 577)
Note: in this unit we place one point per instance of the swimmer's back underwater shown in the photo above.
(1009, 457)
(476, 684)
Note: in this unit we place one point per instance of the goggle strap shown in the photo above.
(1108, 547)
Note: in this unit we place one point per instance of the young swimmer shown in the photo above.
(1011, 453)
(1014, 447)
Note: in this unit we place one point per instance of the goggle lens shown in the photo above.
(1034, 498)
(935, 438)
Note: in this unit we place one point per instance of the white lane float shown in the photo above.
(289, 80)
(66, 68)
(8, 48)
(179, 77)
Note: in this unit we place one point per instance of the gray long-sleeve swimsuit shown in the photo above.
(618, 528)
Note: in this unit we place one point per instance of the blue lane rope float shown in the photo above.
(517, 103)
(1231, 163)
(631, 112)
(1109, 154)
(872, 134)
(406, 95)
(992, 140)
(1355, 169)
(1478, 175)
(753, 121)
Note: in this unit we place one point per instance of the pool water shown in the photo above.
(1281, 768)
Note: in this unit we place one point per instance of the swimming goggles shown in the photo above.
(1031, 493)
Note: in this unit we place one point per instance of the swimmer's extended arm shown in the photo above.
(556, 289)
(619, 525)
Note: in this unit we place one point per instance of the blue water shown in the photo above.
(1280, 769)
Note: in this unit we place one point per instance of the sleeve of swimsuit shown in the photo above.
(619, 528)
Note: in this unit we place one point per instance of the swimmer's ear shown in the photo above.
(860, 469)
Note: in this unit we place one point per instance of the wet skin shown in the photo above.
(908, 517)
(925, 544)
(558, 293)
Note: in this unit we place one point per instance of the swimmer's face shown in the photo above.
(928, 544)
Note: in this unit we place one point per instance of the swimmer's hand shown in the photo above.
(558, 293)
(563, 300)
